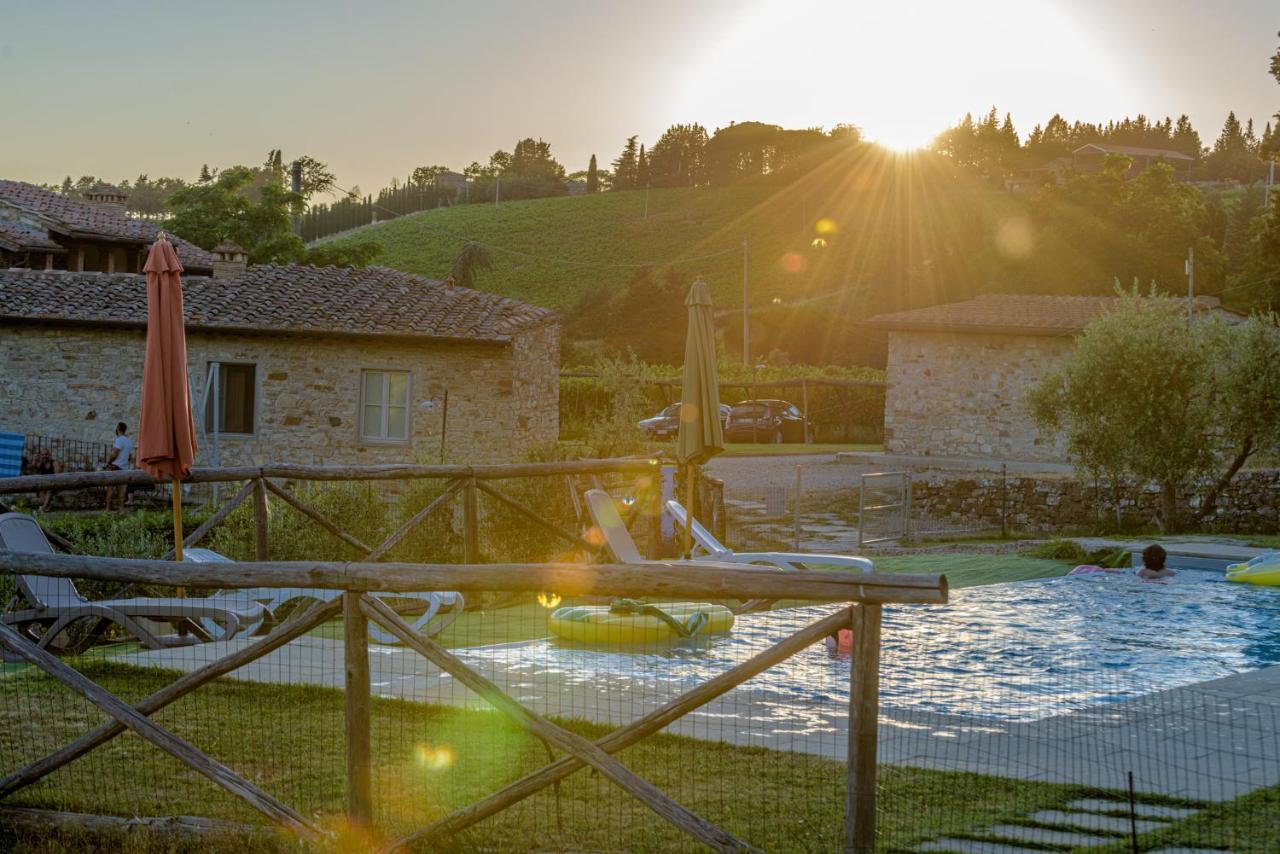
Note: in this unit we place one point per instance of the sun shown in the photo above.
(902, 70)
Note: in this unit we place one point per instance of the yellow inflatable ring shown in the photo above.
(598, 624)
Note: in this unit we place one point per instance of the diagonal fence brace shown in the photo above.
(178, 689)
(575, 745)
(637, 730)
(176, 747)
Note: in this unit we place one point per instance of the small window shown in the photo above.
(384, 406)
(234, 396)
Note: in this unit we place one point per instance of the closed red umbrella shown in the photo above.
(166, 433)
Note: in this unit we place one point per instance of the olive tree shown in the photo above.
(1145, 396)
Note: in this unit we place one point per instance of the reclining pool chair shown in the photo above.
(715, 550)
(444, 608)
(605, 514)
(54, 605)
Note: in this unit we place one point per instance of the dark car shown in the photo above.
(667, 422)
(765, 421)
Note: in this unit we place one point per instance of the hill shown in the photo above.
(891, 230)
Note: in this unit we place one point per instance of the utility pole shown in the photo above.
(646, 200)
(497, 190)
(1271, 179)
(746, 322)
(1191, 281)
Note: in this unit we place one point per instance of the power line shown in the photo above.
(566, 262)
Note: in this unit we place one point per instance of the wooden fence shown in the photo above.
(464, 483)
(866, 593)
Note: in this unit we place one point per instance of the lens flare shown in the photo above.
(1014, 237)
(548, 600)
(819, 243)
(433, 757)
(794, 262)
(594, 535)
(826, 225)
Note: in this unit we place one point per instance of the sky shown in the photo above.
(378, 87)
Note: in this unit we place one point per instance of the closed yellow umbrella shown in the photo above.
(701, 434)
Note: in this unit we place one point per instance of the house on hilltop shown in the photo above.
(1090, 158)
(958, 374)
(44, 230)
(289, 363)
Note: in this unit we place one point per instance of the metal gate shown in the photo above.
(884, 507)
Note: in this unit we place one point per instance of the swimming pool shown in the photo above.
(1015, 652)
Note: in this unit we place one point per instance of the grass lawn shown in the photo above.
(430, 759)
(973, 570)
(748, 449)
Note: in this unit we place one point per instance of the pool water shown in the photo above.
(1019, 651)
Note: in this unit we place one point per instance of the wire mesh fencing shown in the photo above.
(1052, 715)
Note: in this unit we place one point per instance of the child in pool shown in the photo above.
(1153, 558)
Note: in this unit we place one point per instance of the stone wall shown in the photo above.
(76, 383)
(961, 395)
(1050, 503)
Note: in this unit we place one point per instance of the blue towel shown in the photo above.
(11, 445)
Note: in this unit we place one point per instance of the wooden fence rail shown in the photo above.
(259, 482)
(865, 593)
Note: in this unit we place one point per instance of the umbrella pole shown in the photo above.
(177, 526)
(691, 475)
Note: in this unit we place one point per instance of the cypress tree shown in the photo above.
(593, 176)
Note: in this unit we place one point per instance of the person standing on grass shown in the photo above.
(121, 450)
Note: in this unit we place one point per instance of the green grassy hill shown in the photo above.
(892, 233)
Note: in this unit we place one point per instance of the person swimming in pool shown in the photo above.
(1153, 558)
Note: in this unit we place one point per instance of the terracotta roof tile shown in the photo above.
(24, 236)
(1010, 313)
(85, 218)
(278, 299)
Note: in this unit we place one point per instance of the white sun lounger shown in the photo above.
(715, 550)
(276, 600)
(45, 607)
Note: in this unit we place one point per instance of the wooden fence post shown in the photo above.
(864, 712)
(359, 764)
(470, 523)
(260, 520)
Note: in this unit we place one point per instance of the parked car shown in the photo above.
(765, 421)
(667, 422)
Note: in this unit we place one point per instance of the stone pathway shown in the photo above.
(1083, 823)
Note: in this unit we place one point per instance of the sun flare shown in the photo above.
(903, 70)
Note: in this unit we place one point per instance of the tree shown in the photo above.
(1234, 155)
(1186, 140)
(642, 169)
(473, 256)
(593, 176)
(227, 208)
(679, 157)
(625, 167)
(1275, 64)
(425, 176)
(1143, 396)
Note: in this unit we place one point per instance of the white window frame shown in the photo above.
(386, 406)
(216, 403)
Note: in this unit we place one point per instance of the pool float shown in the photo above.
(627, 621)
(1263, 569)
(841, 643)
(1090, 569)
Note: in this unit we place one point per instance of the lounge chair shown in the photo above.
(605, 514)
(715, 550)
(44, 608)
(279, 601)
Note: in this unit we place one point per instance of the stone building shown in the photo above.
(289, 363)
(44, 230)
(958, 374)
